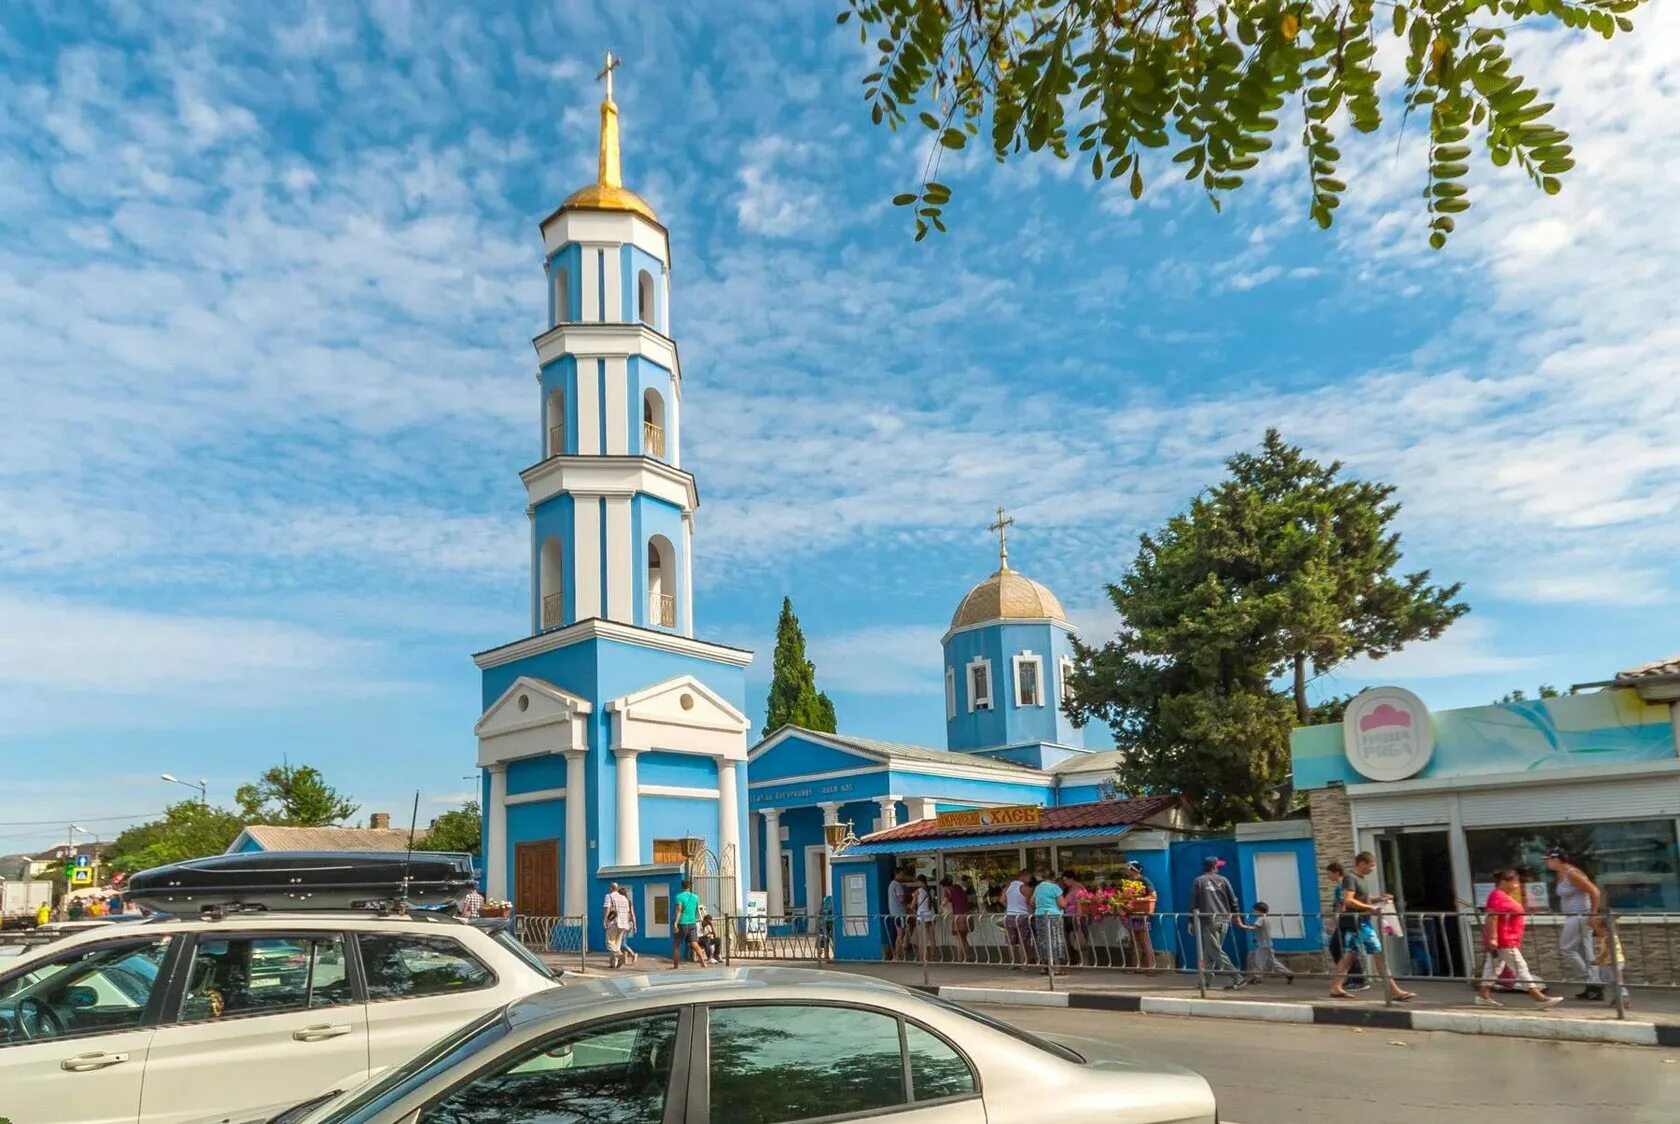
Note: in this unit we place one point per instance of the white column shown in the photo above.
(889, 812)
(576, 901)
(729, 826)
(495, 864)
(831, 815)
(687, 579)
(921, 807)
(629, 809)
(775, 898)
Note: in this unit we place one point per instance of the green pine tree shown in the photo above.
(794, 699)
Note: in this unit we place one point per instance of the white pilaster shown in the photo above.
(621, 557)
(576, 901)
(588, 406)
(673, 425)
(629, 809)
(776, 901)
(591, 294)
(495, 867)
(614, 312)
(687, 621)
(920, 807)
(617, 407)
(729, 825)
(889, 812)
(587, 572)
(831, 815)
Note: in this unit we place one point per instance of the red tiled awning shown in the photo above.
(1097, 816)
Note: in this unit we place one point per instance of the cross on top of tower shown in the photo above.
(1002, 528)
(612, 64)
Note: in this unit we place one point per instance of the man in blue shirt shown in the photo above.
(687, 932)
(1048, 906)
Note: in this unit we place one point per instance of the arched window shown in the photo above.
(556, 417)
(644, 299)
(562, 295)
(661, 583)
(550, 584)
(653, 424)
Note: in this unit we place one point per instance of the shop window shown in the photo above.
(1636, 863)
(1029, 680)
(980, 684)
(984, 874)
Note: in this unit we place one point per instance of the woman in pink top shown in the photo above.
(1502, 934)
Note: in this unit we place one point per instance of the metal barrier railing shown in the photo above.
(553, 934)
(1602, 955)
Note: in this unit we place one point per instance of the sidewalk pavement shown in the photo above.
(1653, 1018)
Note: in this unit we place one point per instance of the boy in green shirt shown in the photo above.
(687, 932)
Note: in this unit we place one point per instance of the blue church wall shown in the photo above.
(1005, 723)
(672, 817)
(533, 774)
(559, 375)
(570, 259)
(958, 788)
(1079, 794)
(650, 516)
(684, 769)
(635, 260)
(796, 756)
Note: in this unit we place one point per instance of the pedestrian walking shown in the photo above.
(957, 907)
(619, 920)
(1360, 905)
(1502, 939)
(1140, 907)
(1579, 900)
(470, 905)
(1612, 964)
(687, 932)
(43, 915)
(1049, 910)
(1263, 958)
(923, 914)
(1215, 902)
(898, 907)
(1356, 978)
(1017, 920)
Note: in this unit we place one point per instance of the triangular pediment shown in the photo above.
(527, 704)
(682, 715)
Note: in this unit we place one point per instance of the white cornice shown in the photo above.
(677, 790)
(610, 476)
(595, 628)
(603, 339)
(535, 796)
(997, 621)
(582, 225)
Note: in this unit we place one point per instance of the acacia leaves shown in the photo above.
(1139, 87)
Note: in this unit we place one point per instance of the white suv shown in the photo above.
(195, 1019)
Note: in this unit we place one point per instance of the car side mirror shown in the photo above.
(81, 998)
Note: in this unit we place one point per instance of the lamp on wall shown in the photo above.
(692, 845)
(839, 836)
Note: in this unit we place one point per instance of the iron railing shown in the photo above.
(552, 611)
(662, 610)
(553, 934)
(653, 439)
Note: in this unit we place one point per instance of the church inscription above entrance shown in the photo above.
(802, 793)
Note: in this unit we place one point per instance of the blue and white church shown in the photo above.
(612, 742)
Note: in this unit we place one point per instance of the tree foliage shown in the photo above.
(458, 831)
(1282, 567)
(1544, 691)
(1125, 81)
(794, 699)
(188, 830)
(294, 795)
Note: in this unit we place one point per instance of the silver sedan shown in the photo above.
(755, 1046)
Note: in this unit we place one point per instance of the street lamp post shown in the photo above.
(203, 786)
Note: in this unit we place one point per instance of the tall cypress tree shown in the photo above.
(794, 699)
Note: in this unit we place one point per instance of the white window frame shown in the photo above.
(1064, 676)
(950, 694)
(977, 701)
(1022, 659)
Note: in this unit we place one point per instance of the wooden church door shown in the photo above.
(536, 878)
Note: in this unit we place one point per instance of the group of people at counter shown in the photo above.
(1047, 917)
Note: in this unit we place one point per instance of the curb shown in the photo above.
(1385, 1018)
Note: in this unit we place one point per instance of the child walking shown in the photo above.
(1612, 965)
(1263, 958)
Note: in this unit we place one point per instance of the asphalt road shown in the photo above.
(1268, 1072)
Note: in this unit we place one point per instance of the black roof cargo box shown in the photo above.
(299, 880)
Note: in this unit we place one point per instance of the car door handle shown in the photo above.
(83, 1063)
(322, 1031)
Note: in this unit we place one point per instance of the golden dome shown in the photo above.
(608, 192)
(1008, 595)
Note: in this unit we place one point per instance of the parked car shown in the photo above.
(730, 1045)
(172, 1019)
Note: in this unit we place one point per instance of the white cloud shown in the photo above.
(1469, 647)
(879, 660)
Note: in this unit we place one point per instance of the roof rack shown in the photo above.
(366, 882)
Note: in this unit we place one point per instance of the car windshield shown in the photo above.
(1015, 1032)
(508, 941)
(398, 1082)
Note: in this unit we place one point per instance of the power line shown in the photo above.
(62, 820)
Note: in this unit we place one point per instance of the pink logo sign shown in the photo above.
(1384, 715)
(1387, 735)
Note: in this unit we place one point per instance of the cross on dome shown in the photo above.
(613, 63)
(1002, 528)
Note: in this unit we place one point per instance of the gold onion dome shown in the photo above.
(1008, 595)
(608, 192)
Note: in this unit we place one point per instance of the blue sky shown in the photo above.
(268, 277)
